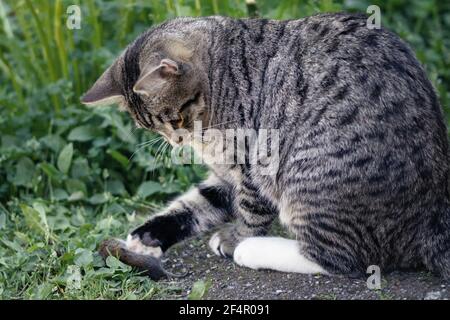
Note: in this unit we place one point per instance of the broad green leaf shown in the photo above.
(108, 223)
(115, 208)
(12, 245)
(146, 160)
(24, 172)
(99, 198)
(83, 133)
(199, 290)
(80, 168)
(65, 158)
(60, 194)
(148, 188)
(54, 142)
(124, 133)
(35, 220)
(75, 185)
(119, 157)
(115, 263)
(43, 291)
(99, 262)
(77, 219)
(9, 141)
(50, 171)
(83, 257)
(42, 214)
(76, 196)
(60, 223)
(115, 187)
(171, 188)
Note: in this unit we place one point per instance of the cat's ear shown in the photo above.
(153, 80)
(105, 91)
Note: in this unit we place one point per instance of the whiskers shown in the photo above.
(131, 133)
(218, 124)
(163, 146)
(145, 144)
(160, 151)
(150, 142)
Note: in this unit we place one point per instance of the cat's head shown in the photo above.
(159, 79)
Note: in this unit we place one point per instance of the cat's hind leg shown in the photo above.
(274, 253)
(435, 246)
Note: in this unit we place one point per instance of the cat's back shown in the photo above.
(356, 107)
(344, 96)
(334, 87)
(323, 59)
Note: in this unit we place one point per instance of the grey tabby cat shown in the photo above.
(364, 156)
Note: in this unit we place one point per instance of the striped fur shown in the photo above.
(364, 162)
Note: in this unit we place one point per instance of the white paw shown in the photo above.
(247, 254)
(134, 244)
(214, 243)
(274, 253)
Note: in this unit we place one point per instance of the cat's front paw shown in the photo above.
(223, 242)
(135, 244)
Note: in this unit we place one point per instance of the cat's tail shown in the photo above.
(436, 244)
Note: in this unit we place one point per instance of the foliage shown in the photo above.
(71, 176)
(199, 290)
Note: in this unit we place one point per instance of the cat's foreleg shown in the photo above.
(246, 243)
(254, 217)
(198, 210)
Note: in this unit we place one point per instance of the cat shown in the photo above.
(363, 151)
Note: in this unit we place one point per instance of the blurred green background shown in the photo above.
(71, 176)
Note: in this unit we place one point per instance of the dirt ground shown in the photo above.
(230, 281)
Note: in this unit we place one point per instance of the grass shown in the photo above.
(67, 175)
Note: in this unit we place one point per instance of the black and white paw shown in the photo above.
(135, 244)
(223, 243)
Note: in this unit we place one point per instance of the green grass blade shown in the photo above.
(4, 64)
(59, 38)
(6, 25)
(47, 52)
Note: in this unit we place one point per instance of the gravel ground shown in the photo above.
(230, 281)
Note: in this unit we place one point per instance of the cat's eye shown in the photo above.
(190, 102)
(177, 123)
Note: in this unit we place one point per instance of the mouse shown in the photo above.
(149, 265)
